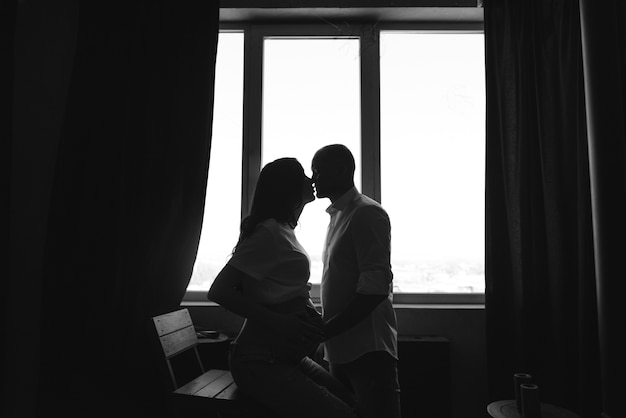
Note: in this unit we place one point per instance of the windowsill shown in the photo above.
(401, 301)
(438, 306)
(398, 298)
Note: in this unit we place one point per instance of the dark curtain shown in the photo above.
(8, 15)
(541, 310)
(604, 53)
(127, 201)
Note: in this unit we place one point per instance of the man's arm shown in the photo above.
(357, 310)
(371, 234)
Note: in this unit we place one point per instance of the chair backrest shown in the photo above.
(177, 335)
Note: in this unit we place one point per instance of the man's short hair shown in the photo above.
(338, 155)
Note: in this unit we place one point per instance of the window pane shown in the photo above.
(432, 159)
(220, 228)
(311, 98)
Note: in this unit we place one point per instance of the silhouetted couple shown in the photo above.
(266, 281)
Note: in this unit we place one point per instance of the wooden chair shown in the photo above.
(213, 391)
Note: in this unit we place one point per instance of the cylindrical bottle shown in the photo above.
(531, 404)
(518, 380)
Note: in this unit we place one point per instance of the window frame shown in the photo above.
(369, 35)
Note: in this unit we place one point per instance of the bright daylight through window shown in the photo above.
(432, 143)
(311, 99)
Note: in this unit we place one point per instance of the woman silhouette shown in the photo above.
(266, 282)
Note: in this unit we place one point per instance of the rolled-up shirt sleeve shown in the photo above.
(372, 240)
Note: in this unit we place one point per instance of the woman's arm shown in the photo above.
(227, 292)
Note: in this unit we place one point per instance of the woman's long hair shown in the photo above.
(277, 195)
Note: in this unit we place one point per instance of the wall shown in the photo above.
(463, 326)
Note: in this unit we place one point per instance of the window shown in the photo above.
(433, 158)
(310, 99)
(408, 103)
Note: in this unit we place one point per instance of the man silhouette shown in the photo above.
(360, 323)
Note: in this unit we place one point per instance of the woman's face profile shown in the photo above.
(308, 193)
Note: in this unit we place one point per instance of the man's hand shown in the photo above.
(356, 311)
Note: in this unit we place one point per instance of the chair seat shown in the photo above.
(215, 390)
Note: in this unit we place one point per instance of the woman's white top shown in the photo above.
(277, 263)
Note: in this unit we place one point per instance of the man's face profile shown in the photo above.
(324, 178)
